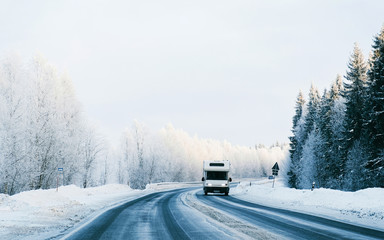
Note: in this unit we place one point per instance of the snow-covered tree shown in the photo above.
(311, 160)
(313, 107)
(346, 137)
(173, 155)
(296, 140)
(13, 120)
(354, 94)
(335, 165)
(331, 116)
(42, 128)
(374, 113)
(355, 172)
(92, 147)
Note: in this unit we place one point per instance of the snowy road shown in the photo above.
(161, 215)
(188, 214)
(291, 225)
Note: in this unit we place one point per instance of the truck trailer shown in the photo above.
(216, 177)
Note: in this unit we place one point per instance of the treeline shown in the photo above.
(338, 138)
(43, 128)
(172, 155)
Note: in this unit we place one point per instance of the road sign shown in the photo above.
(61, 173)
(275, 169)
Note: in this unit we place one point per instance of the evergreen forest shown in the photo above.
(338, 135)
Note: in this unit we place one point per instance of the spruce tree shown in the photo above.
(325, 132)
(306, 158)
(313, 110)
(329, 157)
(354, 96)
(335, 165)
(296, 143)
(374, 114)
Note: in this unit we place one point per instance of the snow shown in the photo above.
(364, 207)
(46, 213)
(42, 214)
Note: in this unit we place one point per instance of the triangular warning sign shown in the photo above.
(276, 167)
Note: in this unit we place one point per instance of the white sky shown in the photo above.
(219, 69)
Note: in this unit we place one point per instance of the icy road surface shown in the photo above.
(160, 215)
(188, 214)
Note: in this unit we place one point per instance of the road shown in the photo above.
(160, 215)
(290, 224)
(188, 214)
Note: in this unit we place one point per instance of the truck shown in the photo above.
(216, 177)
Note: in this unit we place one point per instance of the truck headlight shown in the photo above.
(224, 185)
(209, 184)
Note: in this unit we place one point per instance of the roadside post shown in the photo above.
(59, 172)
(275, 172)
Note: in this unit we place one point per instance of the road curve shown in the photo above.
(174, 215)
(288, 224)
(160, 215)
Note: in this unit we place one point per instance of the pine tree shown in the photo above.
(331, 159)
(296, 143)
(325, 132)
(374, 113)
(311, 163)
(355, 172)
(305, 130)
(335, 152)
(326, 152)
(354, 95)
(313, 110)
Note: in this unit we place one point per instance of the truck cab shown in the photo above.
(216, 177)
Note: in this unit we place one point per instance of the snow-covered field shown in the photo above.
(43, 214)
(364, 207)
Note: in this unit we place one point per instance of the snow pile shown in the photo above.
(46, 213)
(364, 207)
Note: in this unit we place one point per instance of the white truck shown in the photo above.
(215, 177)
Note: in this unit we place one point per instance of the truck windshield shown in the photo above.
(217, 175)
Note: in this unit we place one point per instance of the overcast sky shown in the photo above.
(225, 70)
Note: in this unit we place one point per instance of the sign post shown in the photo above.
(59, 171)
(275, 172)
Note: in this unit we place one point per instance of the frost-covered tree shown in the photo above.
(173, 155)
(311, 160)
(335, 165)
(44, 135)
(53, 124)
(374, 113)
(13, 121)
(41, 128)
(355, 172)
(313, 107)
(296, 140)
(92, 146)
(137, 157)
(310, 125)
(331, 116)
(345, 138)
(354, 94)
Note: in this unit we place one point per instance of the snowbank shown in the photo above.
(46, 213)
(41, 214)
(364, 207)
